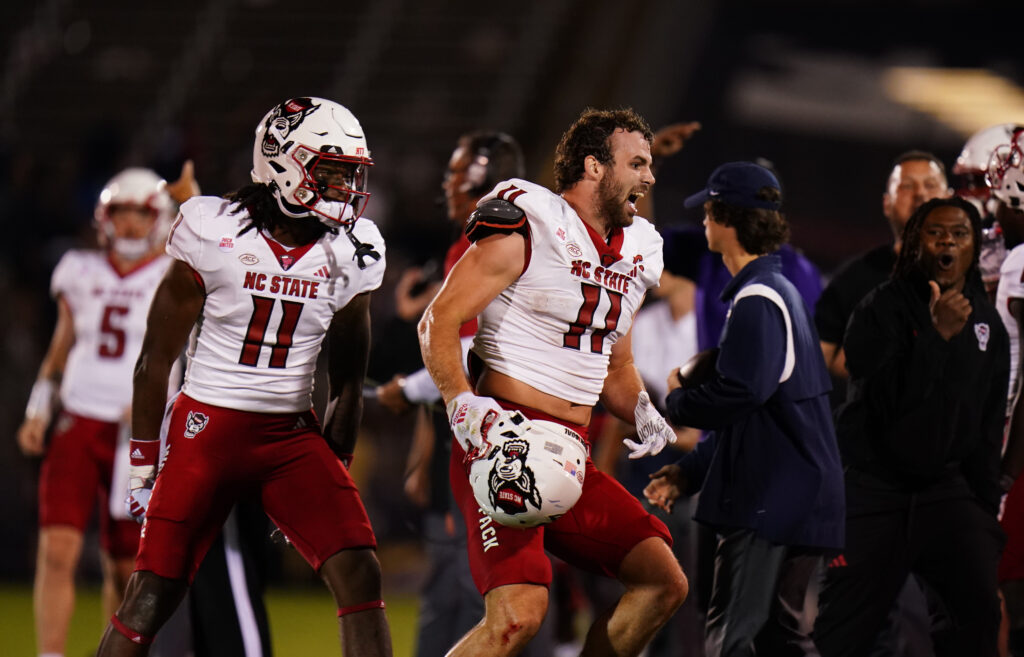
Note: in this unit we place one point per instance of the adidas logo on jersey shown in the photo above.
(323, 272)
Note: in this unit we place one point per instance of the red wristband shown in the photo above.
(143, 452)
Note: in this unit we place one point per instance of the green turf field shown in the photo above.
(302, 622)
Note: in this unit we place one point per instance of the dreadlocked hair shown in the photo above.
(910, 251)
(264, 213)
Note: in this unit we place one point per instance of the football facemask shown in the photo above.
(312, 153)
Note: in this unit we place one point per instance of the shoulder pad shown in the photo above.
(496, 216)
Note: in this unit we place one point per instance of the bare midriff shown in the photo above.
(501, 386)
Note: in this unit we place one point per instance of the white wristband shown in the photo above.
(40, 402)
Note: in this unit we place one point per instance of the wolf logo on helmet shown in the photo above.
(512, 482)
(282, 120)
(313, 156)
(528, 472)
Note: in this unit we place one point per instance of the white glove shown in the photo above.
(467, 414)
(143, 455)
(651, 429)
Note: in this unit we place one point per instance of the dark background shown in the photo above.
(88, 88)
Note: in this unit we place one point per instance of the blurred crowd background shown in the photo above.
(830, 92)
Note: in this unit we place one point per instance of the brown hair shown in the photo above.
(758, 230)
(589, 136)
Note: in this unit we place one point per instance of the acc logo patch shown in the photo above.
(981, 332)
(512, 483)
(248, 259)
(574, 249)
(194, 423)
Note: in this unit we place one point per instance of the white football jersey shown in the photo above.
(1011, 286)
(109, 314)
(553, 328)
(267, 307)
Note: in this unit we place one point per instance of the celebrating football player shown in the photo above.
(555, 280)
(260, 279)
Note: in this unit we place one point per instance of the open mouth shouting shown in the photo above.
(946, 261)
(632, 200)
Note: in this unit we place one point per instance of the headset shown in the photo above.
(480, 174)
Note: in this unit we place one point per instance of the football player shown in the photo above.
(448, 606)
(260, 279)
(102, 298)
(1004, 174)
(555, 280)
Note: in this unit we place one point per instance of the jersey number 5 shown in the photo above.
(112, 334)
(585, 318)
(253, 344)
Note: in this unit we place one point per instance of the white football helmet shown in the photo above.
(1006, 171)
(528, 472)
(306, 147)
(140, 189)
(971, 167)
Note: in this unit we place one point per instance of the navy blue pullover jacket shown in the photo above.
(770, 463)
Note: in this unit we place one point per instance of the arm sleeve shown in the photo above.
(750, 363)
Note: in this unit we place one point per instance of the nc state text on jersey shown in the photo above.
(286, 285)
(602, 276)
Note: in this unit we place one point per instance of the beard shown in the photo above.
(611, 203)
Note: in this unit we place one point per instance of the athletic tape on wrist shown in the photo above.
(129, 633)
(363, 606)
(40, 402)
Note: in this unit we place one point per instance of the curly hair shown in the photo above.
(589, 135)
(264, 213)
(910, 252)
(758, 230)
